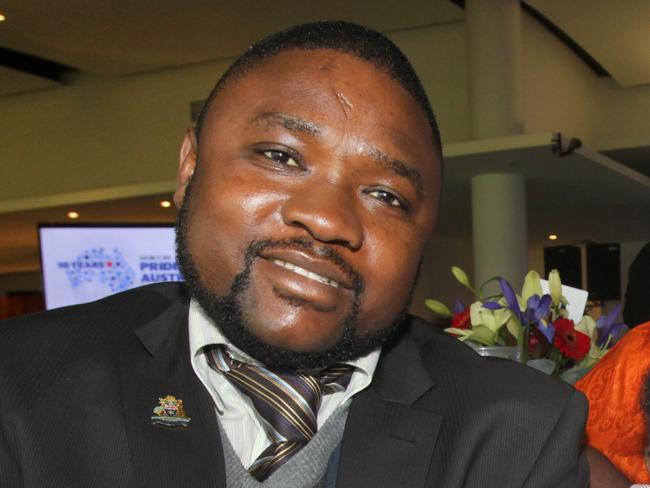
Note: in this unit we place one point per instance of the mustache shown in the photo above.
(300, 243)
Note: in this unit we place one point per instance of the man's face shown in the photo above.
(317, 188)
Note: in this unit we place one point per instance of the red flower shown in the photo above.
(570, 342)
(460, 320)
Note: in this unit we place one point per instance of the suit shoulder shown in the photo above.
(104, 320)
(77, 352)
(456, 365)
(421, 330)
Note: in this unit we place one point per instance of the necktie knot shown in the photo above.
(287, 402)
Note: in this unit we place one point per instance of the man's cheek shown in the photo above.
(216, 267)
(386, 294)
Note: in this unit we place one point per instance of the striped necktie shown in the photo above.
(287, 402)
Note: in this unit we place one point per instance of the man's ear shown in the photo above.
(186, 166)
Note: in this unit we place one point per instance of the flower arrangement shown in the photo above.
(534, 322)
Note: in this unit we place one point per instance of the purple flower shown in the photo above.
(459, 307)
(537, 309)
(511, 299)
(492, 305)
(607, 325)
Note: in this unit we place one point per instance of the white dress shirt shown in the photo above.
(237, 416)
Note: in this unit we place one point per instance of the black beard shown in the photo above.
(226, 311)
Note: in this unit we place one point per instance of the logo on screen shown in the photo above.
(97, 265)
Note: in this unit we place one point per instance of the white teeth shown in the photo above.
(306, 273)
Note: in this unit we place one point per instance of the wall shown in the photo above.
(17, 282)
(561, 93)
(436, 280)
(439, 54)
(559, 90)
(98, 133)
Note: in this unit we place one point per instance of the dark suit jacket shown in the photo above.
(78, 386)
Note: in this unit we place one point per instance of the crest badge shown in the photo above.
(170, 412)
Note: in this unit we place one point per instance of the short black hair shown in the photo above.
(346, 37)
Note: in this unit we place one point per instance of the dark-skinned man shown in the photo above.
(307, 194)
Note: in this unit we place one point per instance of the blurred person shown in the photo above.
(637, 294)
(615, 388)
(307, 194)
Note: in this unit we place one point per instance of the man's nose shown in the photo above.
(328, 212)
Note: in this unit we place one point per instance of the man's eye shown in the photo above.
(281, 157)
(387, 198)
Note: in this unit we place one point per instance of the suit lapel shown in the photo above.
(390, 437)
(159, 365)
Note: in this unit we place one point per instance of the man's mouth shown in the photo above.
(306, 273)
(321, 266)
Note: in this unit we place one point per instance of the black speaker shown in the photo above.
(604, 271)
(566, 259)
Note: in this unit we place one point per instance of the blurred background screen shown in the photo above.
(81, 263)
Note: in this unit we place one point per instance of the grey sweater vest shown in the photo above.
(306, 469)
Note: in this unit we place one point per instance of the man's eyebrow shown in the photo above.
(289, 122)
(400, 168)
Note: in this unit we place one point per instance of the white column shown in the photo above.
(499, 227)
(498, 200)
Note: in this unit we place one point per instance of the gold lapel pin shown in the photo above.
(170, 412)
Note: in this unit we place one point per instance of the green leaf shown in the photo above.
(587, 326)
(492, 319)
(484, 335)
(479, 295)
(515, 329)
(555, 287)
(532, 285)
(461, 276)
(438, 307)
(461, 334)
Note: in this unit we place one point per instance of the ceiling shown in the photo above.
(67, 39)
(615, 34)
(116, 38)
(45, 44)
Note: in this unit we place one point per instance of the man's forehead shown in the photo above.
(296, 77)
(290, 82)
(294, 65)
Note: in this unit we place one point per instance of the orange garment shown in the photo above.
(615, 389)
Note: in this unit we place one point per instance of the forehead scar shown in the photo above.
(289, 122)
(399, 168)
(345, 103)
(328, 65)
